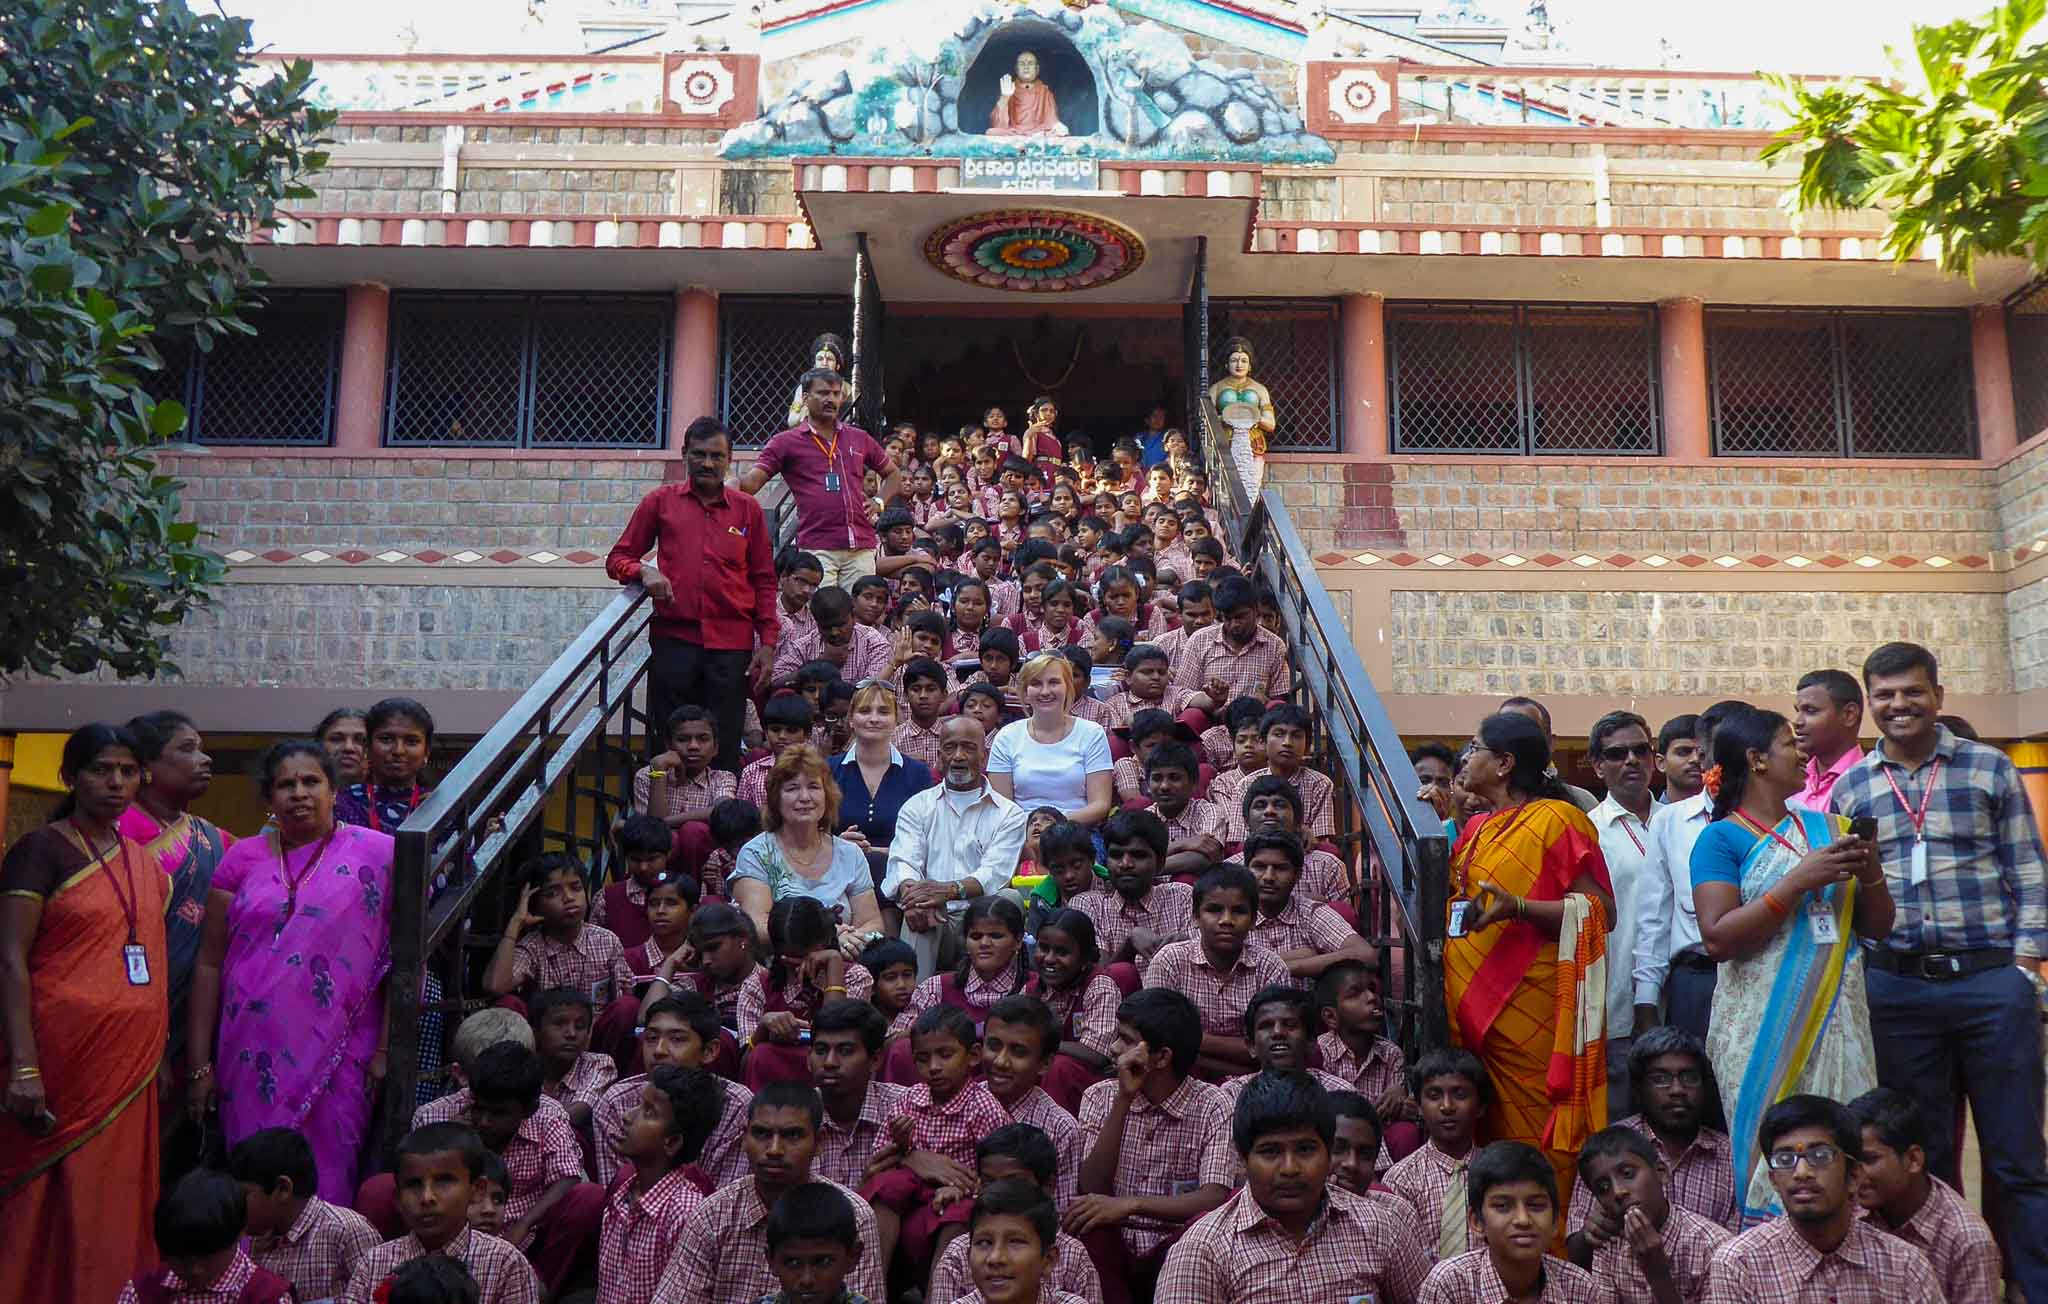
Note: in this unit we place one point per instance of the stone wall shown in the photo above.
(1280, 76)
(623, 192)
(1486, 200)
(2023, 497)
(1705, 644)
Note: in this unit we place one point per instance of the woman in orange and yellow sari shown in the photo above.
(83, 1017)
(1525, 955)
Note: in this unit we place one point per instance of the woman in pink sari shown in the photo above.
(291, 969)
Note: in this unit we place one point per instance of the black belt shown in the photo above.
(1690, 959)
(1936, 966)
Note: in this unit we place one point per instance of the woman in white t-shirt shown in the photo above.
(1051, 758)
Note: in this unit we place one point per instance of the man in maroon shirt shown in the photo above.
(705, 629)
(825, 465)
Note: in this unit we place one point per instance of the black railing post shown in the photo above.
(402, 985)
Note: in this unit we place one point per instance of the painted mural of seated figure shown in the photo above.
(1026, 106)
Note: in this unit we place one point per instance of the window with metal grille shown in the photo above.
(1840, 383)
(1523, 378)
(528, 371)
(1294, 347)
(276, 386)
(2026, 341)
(764, 345)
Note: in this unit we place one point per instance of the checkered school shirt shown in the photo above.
(1092, 1007)
(801, 1001)
(586, 1083)
(502, 1274)
(1424, 1179)
(1702, 1179)
(981, 993)
(722, 1256)
(1318, 804)
(700, 793)
(1355, 1248)
(1073, 1274)
(1220, 995)
(1260, 670)
(843, 1152)
(721, 1159)
(639, 1231)
(1045, 1114)
(918, 742)
(227, 1289)
(1987, 876)
(316, 1252)
(1166, 1148)
(753, 787)
(594, 964)
(953, 1128)
(1470, 1279)
(544, 1150)
(454, 1108)
(1383, 1066)
(868, 653)
(1303, 925)
(1128, 780)
(1774, 1263)
(1957, 1243)
(1120, 706)
(1168, 910)
(1689, 1245)
(1196, 818)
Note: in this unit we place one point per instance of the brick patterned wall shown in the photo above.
(1558, 506)
(2026, 615)
(1711, 644)
(1718, 205)
(1486, 199)
(375, 190)
(413, 503)
(2023, 497)
(625, 192)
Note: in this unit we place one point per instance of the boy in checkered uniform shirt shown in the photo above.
(1900, 1196)
(577, 1076)
(1015, 1231)
(438, 1168)
(1020, 1154)
(1512, 1193)
(551, 1213)
(1221, 968)
(293, 1232)
(550, 943)
(658, 1187)
(1452, 1087)
(1659, 1248)
(679, 1030)
(198, 1229)
(1670, 1078)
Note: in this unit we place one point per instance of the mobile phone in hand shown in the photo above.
(1864, 827)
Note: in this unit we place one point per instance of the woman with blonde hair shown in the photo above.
(1052, 757)
(796, 853)
(875, 779)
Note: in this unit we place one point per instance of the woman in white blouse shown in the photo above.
(1051, 757)
(797, 855)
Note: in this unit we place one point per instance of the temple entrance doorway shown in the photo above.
(1106, 369)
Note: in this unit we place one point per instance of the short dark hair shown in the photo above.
(816, 374)
(733, 822)
(1613, 723)
(206, 1212)
(789, 1095)
(1144, 653)
(1174, 756)
(1899, 659)
(815, 1211)
(831, 605)
(1303, 1003)
(1350, 1104)
(1796, 1112)
(1843, 690)
(432, 1279)
(793, 559)
(1149, 721)
(1029, 1012)
(946, 1021)
(1274, 840)
(924, 668)
(1233, 593)
(491, 1168)
(695, 1103)
(1275, 1101)
(509, 1071)
(686, 885)
(1016, 1198)
(894, 518)
(642, 835)
(1027, 1143)
(689, 714)
(1211, 547)
(1613, 1142)
(1226, 878)
(1665, 1039)
(886, 952)
(1509, 1161)
(1437, 751)
(264, 1158)
(555, 998)
(860, 1017)
(1332, 980)
(1517, 703)
(699, 1014)
(1450, 1062)
(1165, 1020)
(713, 922)
(1136, 826)
(536, 872)
(1003, 641)
(1677, 727)
(1895, 1116)
(788, 711)
(1286, 715)
(1271, 785)
(446, 1138)
(1242, 711)
(1063, 837)
(704, 428)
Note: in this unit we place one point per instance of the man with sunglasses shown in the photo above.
(1623, 758)
(1820, 1250)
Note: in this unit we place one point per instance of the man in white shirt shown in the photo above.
(953, 843)
(1535, 710)
(1621, 750)
(1671, 964)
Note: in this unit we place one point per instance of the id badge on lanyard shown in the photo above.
(1820, 917)
(137, 960)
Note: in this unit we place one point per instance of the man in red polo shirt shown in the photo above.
(704, 629)
(825, 465)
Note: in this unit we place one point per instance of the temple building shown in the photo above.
(1568, 404)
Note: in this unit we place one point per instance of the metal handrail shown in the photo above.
(1398, 839)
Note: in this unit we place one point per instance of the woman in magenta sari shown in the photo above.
(291, 969)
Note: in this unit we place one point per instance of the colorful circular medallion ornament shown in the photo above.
(1035, 250)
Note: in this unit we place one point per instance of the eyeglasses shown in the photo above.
(1620, 753)
(1683, 1078)
(1819, 1158)
(886, 685)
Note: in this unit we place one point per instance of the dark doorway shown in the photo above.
(1060, 67)
(1105, 373)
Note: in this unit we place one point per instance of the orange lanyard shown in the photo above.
(1772, 834)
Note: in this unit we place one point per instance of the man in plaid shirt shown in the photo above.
(1658, 1247)
(1140, 914)
(1289, 1237)
(846, 1043)
(1900, 1196)
(439, 1167)
(722, 1256)
(860, 652)
(1820, 1252)
(1962, 857)
(1669, 1077)
(292, 1232)
(1221, 969)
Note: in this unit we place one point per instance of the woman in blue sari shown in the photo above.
(1782, 895)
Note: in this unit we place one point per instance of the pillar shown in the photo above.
(1682, 347)
(1998, 431)
(693, 363)
(359, 399)
(1362, 356)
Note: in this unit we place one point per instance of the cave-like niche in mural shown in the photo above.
(927, 76)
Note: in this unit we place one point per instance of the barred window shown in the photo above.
(528, 371)
(2026, 339)
(1840, 383)
(1294, 347)
(764, 345)
(275, 386)
(1523, 378)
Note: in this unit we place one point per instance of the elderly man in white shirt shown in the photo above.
(953, 843)
(1621, 750)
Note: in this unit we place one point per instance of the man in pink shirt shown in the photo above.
(1827, 716)
(825, 465)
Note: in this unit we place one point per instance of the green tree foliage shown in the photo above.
(1963, 159)
(138, 151)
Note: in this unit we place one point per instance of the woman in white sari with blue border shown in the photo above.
(1782, 895)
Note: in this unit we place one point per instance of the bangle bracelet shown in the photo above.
(840, 990)
(1778, 908)
(657, 774)
(200, 1074)
(25, 1072)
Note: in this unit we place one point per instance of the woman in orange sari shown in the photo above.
(1525, 875)
(84, 1013)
